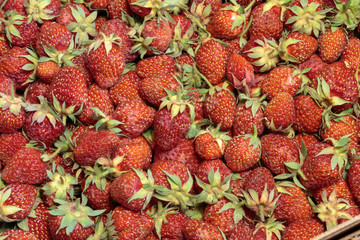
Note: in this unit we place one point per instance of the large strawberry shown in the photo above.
(105, 60)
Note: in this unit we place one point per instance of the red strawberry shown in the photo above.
(332, 44)
(80, 62)
(152, 66)
(210, 60)
(135, 117)
(303, 229)
(66, 15)
(18, 201)
(26, 166)
(276, 150)
(342, 191)
(141, 223)
(354, 179)
(161, 32)
(239, 71)
(350, 53)
(18, 234)
(308, 139)
(116, 7)
(195, 229)
(127, 88)
(105, 60)
(308, 114)
(17, 5)
(280, 79)
(245, 119)
(11, 143)
(280, 112)
(12, 113)
(315, 64)
(47, 71)
(94, 145)
(298, 47)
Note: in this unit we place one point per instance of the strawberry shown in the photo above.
(239, 71)
(129, 190)
(66, 15)
(105, 60)
(12, 113)
(54, 35)
(40, 125)
(342, 85)
(292, 205)
(152, 89)
(131, 224)
(132, 153)
(127, 88)
(331, 44)
(183, 152)
(19, 31)
(69, 89)
(94, 145)
(276, 150)
(17, 5)
(41, 11)
(152, 66)
(195, 229)
(280, 79)
(303, 229)
(266, 22)
(80, 62)
(210, 60)
(246, 117)
(242, 152)
(64, 224)
(297, 47)
(308, 114)
(316, 64)
(308, 139)
(353, 179)
(219, 106)
(121, 30)
(26, 166)
(47, 71)
(352, 49)
(280, 112)
(18, 234)
(116, 7)
(135, 117)
(12, 143)
(17, 201)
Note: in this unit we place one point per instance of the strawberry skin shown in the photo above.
(127, 88)
(308, 114)
(152, 66)
(195, 229)
(303, 230)
(11, 143)
(351, 53)
(18, 234)
(244, 121)
(301, 50)
(332, 44)
(354, 181)
(239, 71)
(39, 225)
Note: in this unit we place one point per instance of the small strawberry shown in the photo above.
(303, 229)
(331, 44)
(152, 66)
(316, 64)
(127, 88)
(195, 229)
(12, 143)
(239, 71)
(116, 8)
(308, 139)
(42, 11)
(47, 71)
(352, 49)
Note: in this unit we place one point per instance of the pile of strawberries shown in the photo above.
(178, 119)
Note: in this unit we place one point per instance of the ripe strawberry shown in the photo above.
(352, 49)
(11, 143)
(219, 106)
(98, 4)
(94, 145)
(298, 47)
(331, 44)
(183, 152)
(161, 33)
(245, 119)
(127, 88)
(280, 79)
(17, 5)
(64, 224)
(276, 150)
(195, 229)
(135, 117)
(80, 62)
(132, 153)
(129, 190)
(266, 22)
(152, 89)
(239, 71)
(26, 166)
(353, 179)
(105, 60)
(155, 65)
(68, 87)
(131, 224)
(40, 125)
(18, 234)
(116, 7)
(66, 15)
(34, 90)
(303, 229)
(280, 112)
(18, 201)
(19, 30)
(54, 35)
(42, 12)
(308, 139)
(316, 64)
(12, 113)
(318, 168)
(242, 152)
(342, 83)
(121, 30)
(47, 71)
(292, 205)
(210, 60)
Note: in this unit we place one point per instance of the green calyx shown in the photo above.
(284, 44)
(97, 175)
(84, 26)
(159, 213)
(13, 18)
(254, 140)
(5, 209)
(108, 42)
(110, 165)
(221, 138)
(347, 13)
(331, 209)
(308, 19)
(42, 110)
(74, 213)
(33, 57)
(267, 54)
(254, 103)
(199, 14)
(242, 13)
(14, 104)
(191, 77)
(36, 10)
(180, 43)
(271, 226)
(105, 122)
